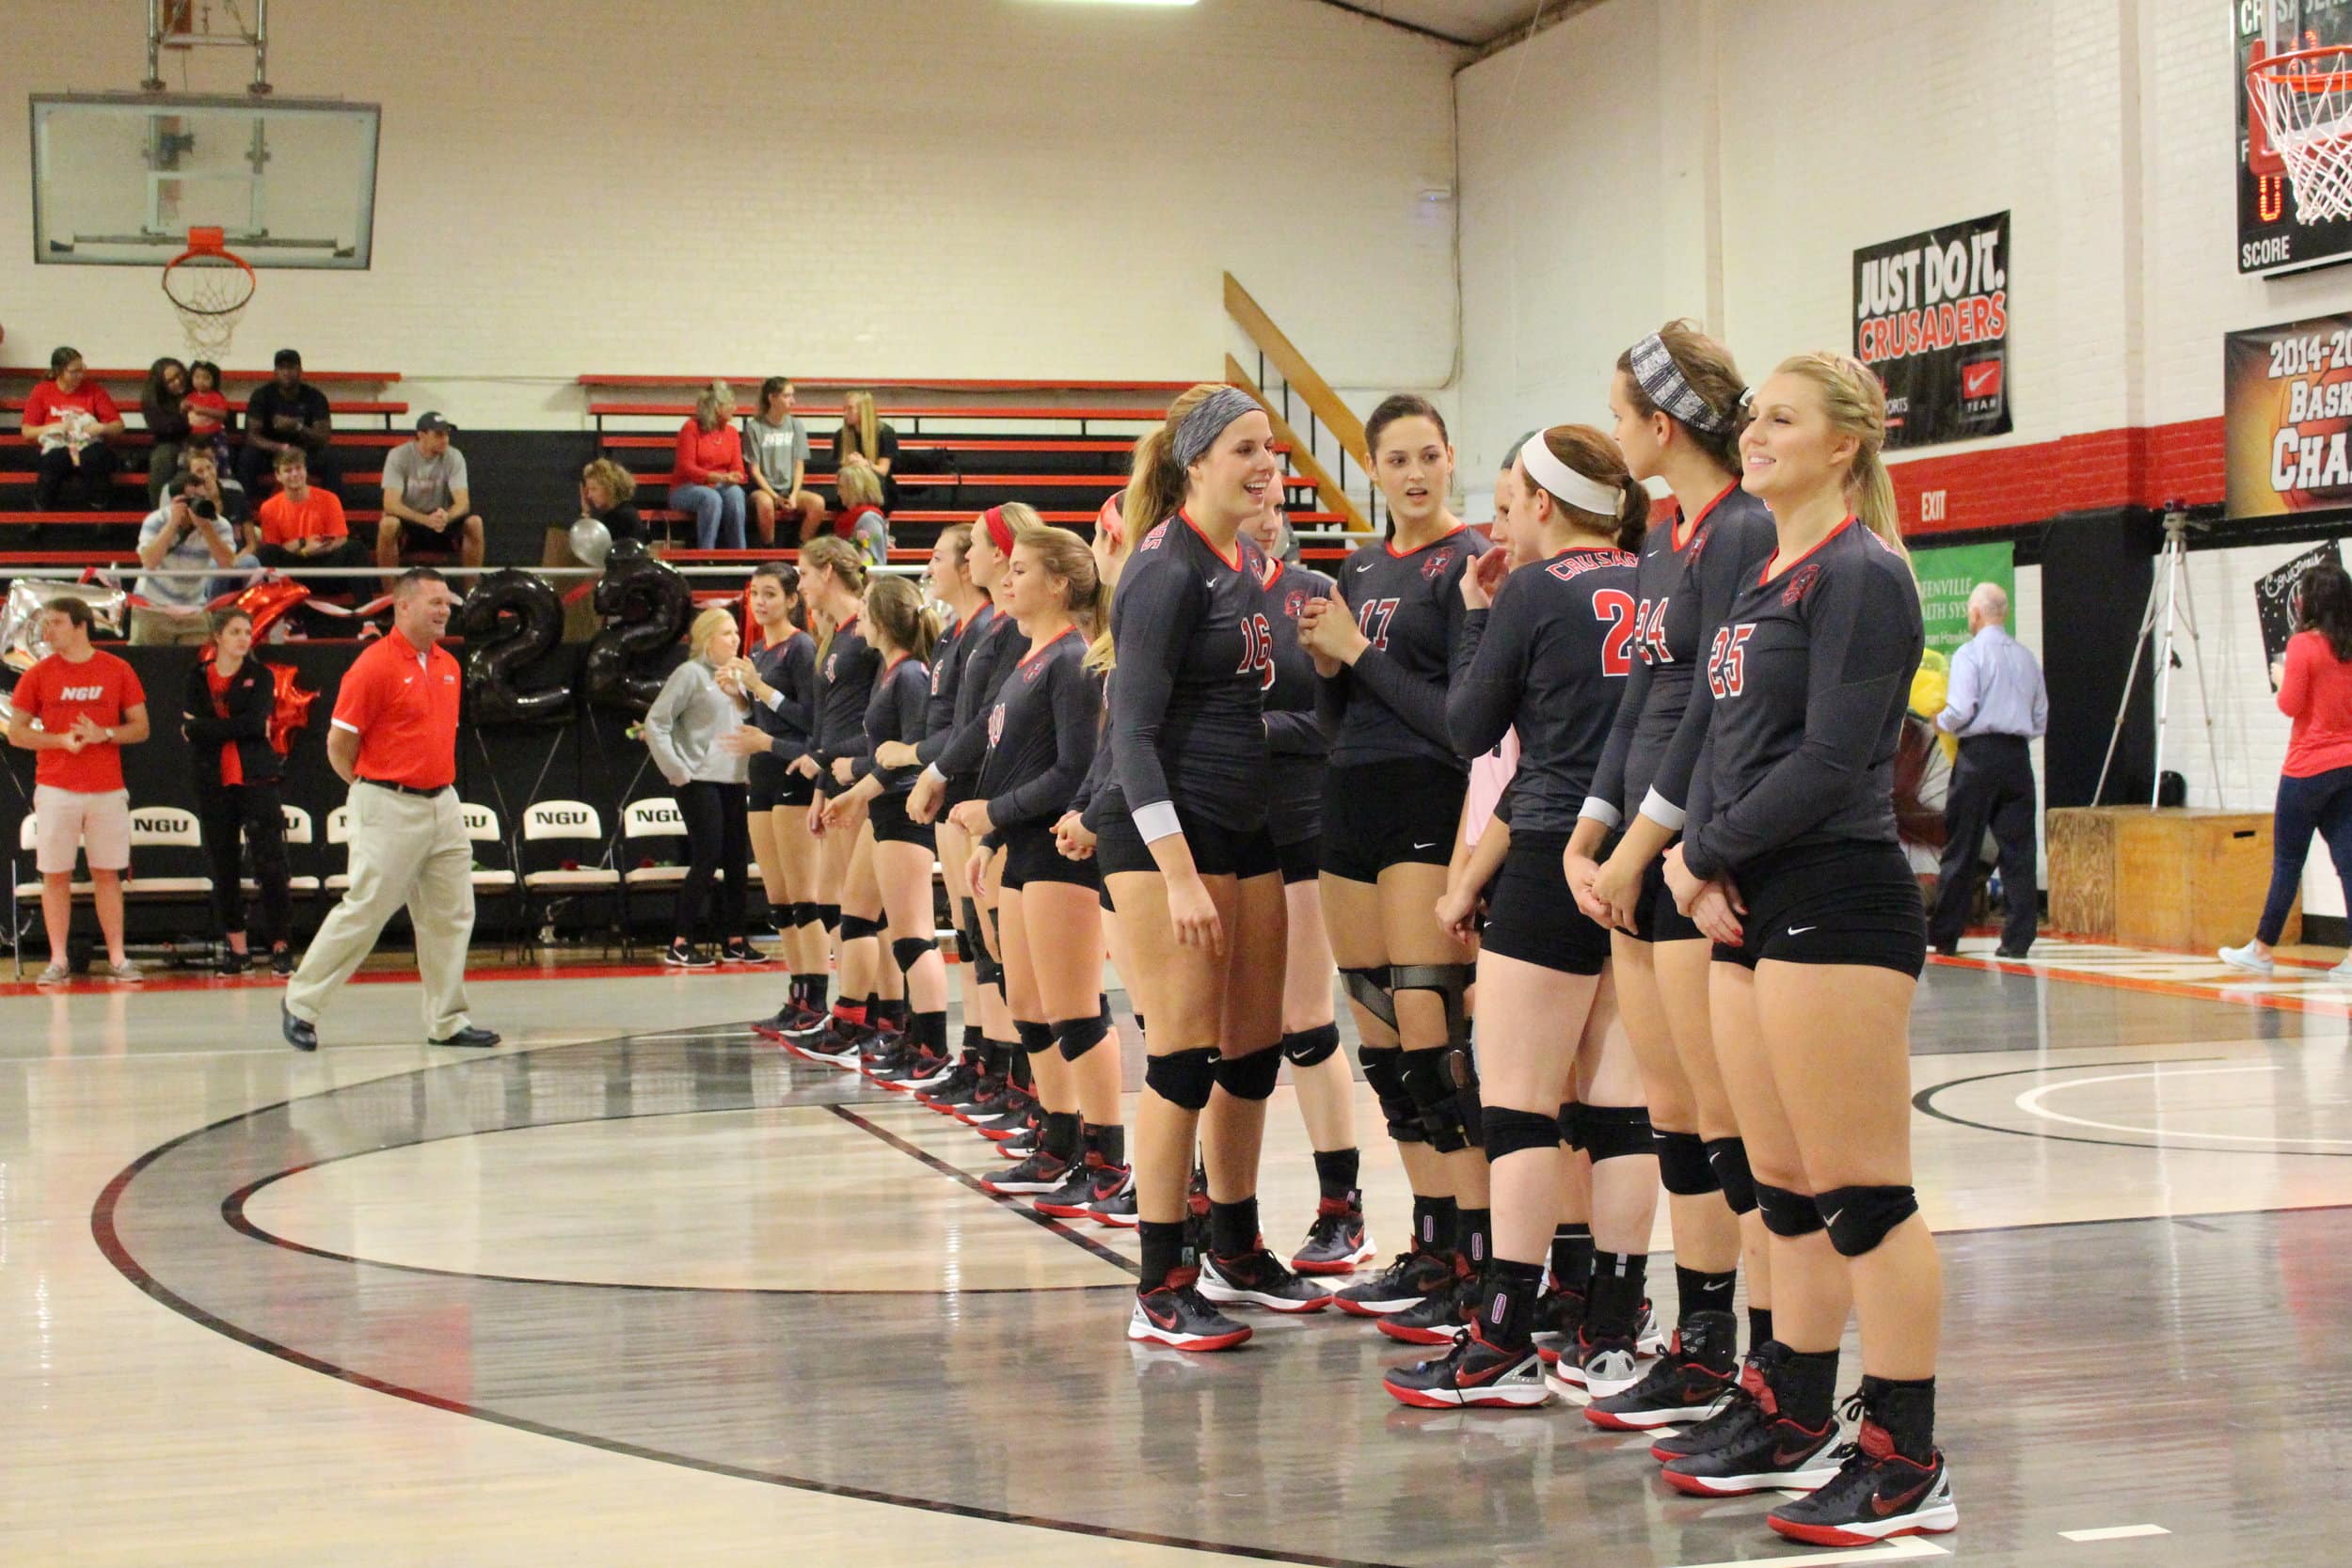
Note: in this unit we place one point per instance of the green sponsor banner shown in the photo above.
(1948, 576)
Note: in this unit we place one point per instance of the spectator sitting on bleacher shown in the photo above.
(861, 522)
(864, 436)
(428, 509)
(777, 447)
(72, 416)
(207, 409)
(287, 414)
(186, 534)
(707, 479)
(161, 410)
(78, 707)
(303, 525)
(606, 493)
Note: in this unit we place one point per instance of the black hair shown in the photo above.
(2323, 603)
(770, 388)
(61, 358)
(287, 356)
(195, 365)
(156, 391)
(1400, 405)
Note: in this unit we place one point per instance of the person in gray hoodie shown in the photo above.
(700, 701)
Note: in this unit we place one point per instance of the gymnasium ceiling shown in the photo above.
(1473, 24)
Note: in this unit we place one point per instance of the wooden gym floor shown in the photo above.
(640, 1288)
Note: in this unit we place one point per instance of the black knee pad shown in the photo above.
(806, 915)
(1787, 1213)
(1615, 1131)
(1079, 1036)
(1183, 1078)
(1384, 1070)
(1571, 1134)
(1509, 1132)
(829, 915)
(964, 945)
(1452, 982)
(1249, 1077)
(854, 927)
(1035, 1038)
(1429, 1082)
(908, 951)
(987, 971)
(1309, 1047)
(1682, 1165)
(1369, 988)
(1859, 1218)
(1729, 1158)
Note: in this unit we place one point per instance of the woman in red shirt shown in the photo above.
(2316, 786)
(707, 479)
(72, 417)
(226, 712)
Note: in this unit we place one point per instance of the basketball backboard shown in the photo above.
(2276, 233)
(118, 179)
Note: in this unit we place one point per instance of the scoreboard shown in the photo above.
(2271, 236)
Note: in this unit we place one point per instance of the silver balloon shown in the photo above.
(591, 541)
(21, 642)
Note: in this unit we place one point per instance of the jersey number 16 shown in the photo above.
(1257, 649)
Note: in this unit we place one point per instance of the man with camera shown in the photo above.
(185, 544)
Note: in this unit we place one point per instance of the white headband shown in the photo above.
(1565, 483)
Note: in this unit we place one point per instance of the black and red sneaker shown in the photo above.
(1258, 1278)
(1089, 1184)
(838, 1044)
(1408, 1281)
(986, 1102)
(1021, 1114)
(1559, 1314)
(1876, 1495)
(1041, 1172)
(1693, 1381)
(1176, 1314)
(1766, 1454)
(1442, 1316)
(793, 1019)
(1116, 1211)
(1337, 1239)
(952, 1090)
(1474, 1373)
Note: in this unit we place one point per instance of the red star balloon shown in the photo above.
(268, 602)
(292, 711)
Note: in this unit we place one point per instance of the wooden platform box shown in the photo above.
(2188, 880)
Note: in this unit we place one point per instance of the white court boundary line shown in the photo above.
(2030, 1103)
(2113, 1533)
(1903, 1548)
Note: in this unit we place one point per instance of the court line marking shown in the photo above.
(1923, 1100)
(2113, 1533)
(2339, 1006)
(2030, 1103)
(1902, 1549)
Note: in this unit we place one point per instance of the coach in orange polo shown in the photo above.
(394, 740)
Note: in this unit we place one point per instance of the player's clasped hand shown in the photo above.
(1193, 914)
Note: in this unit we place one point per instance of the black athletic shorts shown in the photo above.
(1655, 917)
(1216, 851)
(773, 786)
(1031, 857)
(1377, 815)
(1533, 917)
(893, 826)
(1301, 861)
(1850, 903)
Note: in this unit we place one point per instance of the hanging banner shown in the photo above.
(1947, 576)
(2286, 404)
(1931, 315)
(2273, 600)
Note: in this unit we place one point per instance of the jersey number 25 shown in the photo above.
(1727, 661)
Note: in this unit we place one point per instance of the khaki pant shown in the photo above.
(162, 627)
(408, 849)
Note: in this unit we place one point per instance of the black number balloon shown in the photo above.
(645, 605)
(511, 621)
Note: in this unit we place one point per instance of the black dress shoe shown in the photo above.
(2015, 953)
(471, 1035)
(301, 1035)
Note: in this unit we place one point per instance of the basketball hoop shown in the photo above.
(2302, 105)
(210, 288)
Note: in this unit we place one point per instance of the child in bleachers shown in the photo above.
(207, 410)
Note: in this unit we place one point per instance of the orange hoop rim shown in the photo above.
(210, 245)
(2269, 69)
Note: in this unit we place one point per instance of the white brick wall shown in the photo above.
(1040, 191)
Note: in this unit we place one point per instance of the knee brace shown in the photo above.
(1615, 1131)
(1506, 1131)
(1452, 982)
(1384, 1070)
(1183, 1078)
(829, 915)
(1035, 1038)
(1249, 1077)
(1309, 1047)
(854, 927)
(1433, 1080)
(1787, 1213)
(908, 951)
(1079, 1036)
(987, 971)
(1682, 1165)
(1369, 989)
(1571, 1132)
(1859, 1218)
(804, 915)
(1729, 1158)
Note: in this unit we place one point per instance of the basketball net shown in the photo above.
(2303, 100)
(209, 287)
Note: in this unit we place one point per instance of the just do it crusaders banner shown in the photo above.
(1931, 315)
(2287, 413)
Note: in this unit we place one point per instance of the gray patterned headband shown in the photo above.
(1654, 367)
(1207, 421)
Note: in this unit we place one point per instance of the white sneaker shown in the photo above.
(126, 971)
(55, 974)
(2248, 960)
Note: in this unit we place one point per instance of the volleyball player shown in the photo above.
(1547, 655)
(1790, 863)
(780, 677)
(1194, 876)
(1337, 1239)
(1393, 796)
(1675, 396)
(899, 850)
(1049, 919)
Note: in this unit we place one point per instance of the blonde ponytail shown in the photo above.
(1155, 492)
(1856, 406)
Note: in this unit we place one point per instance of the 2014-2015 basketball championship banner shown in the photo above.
(2287, 413)
(1931, 315)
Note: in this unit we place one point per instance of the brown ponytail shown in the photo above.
(1707, 366)
(1594, 455)
(1065, 558)
(896, 606)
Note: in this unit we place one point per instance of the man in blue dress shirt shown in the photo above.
(1998, 706)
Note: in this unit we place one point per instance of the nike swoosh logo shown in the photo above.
(1366, 565)
(1831, 1218)
(1883, 1508)
(1431, 844)
(1800, 930)
(1785, 1458)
